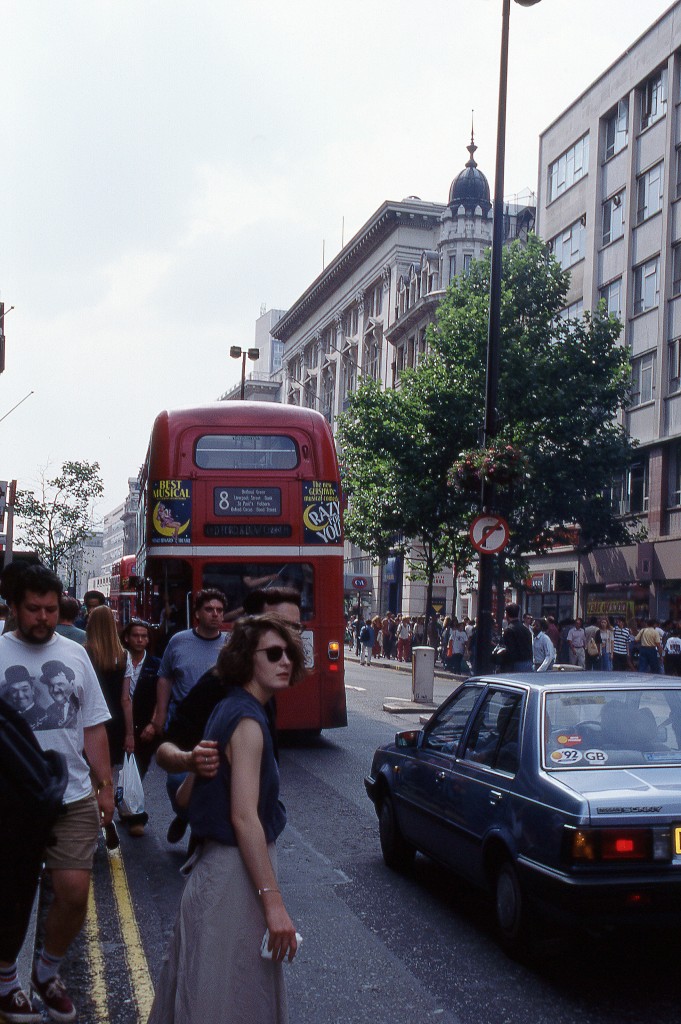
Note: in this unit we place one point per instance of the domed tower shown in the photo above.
(467, 222)
(470, 188)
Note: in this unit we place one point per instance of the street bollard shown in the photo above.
(422, 674)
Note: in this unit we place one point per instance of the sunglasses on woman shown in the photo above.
(275, 653)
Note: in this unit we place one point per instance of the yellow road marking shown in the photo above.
(138, 968)
(95, 960)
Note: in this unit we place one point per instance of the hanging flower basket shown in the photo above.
(499, 464)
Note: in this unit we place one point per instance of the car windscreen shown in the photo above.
(603, 728)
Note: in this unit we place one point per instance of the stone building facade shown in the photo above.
(609, 205)
(366, 315)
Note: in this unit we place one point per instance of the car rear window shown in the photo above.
(603, 728)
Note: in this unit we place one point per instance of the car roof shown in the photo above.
(582, 680)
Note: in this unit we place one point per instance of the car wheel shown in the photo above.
(510, 908)
(398, 854)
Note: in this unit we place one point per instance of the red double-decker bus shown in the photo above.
(246, 495)
(122, 592)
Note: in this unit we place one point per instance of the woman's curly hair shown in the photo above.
(235, 661)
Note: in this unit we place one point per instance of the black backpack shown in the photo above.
(32, 780)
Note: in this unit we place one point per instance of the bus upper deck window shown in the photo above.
(246, 451)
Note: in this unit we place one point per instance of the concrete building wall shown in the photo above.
(626, 200)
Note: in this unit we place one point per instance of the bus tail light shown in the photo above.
(614, 845)
(333, 650)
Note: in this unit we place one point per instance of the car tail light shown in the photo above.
(333, 650)
(613, 845)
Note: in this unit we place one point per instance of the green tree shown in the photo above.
(55, 521)
(395, 457)
(563, 385)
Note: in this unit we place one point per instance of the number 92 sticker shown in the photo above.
(568, 755)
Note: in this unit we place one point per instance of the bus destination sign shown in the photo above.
(247, 501)
(278, 530)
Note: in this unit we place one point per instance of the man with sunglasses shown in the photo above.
(183, 748)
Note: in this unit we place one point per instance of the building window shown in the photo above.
(674, 498)
(650, 188)
(277, 355)
(654, 98)
(674, 366)
(569, 168)
(642, 379)
(569, 246)
(617, 129)
(612, 296)
(647, 285)
(676, 270)
(572, 312)
(614, 210)
(467, 260)
(452, 267)
(630, 491)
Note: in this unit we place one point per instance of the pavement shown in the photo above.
(403, 705)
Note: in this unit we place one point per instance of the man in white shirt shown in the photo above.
(36, 652)
(543, 651)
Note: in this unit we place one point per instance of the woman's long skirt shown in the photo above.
(214, 973)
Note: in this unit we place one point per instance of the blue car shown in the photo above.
(554, 792)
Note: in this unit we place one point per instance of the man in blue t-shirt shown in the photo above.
(187, 657)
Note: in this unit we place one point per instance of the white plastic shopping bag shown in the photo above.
(132, 795)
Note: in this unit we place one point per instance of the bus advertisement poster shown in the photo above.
(171, 515)
(321, 512)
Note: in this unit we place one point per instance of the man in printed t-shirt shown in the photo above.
(50, 681)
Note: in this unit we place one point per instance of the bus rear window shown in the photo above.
(237, 579)
(246, 451)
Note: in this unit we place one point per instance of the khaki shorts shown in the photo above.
(74, 836)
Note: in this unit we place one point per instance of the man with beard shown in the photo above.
(31, 646)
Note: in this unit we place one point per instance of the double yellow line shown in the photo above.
(135, 958)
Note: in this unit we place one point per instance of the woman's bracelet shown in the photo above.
(261, 892)
(103, 785)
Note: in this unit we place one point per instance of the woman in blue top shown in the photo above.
(214, 970)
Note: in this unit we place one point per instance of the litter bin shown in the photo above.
(422, 674)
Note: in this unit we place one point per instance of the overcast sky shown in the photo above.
(168, 167)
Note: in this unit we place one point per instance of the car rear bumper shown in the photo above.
(604, 898)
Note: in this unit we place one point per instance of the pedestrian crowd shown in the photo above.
(605, 644)
(77, 699)
(393, 636)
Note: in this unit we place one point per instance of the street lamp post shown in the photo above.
(236, 352)
(488, 494)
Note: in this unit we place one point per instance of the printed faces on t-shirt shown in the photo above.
(46, 696)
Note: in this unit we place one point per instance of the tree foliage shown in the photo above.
(55, 521)
(562, 385)
(394, 457)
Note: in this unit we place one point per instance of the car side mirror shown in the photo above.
(410, 738)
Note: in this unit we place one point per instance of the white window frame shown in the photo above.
(654, 98)
(647, 285)
(569, 168)
(616, 133)
(674, 366)
(608, 293)
(614, 217)
(571, 312)
(569, 247)
(650, 192)
(642, 380)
